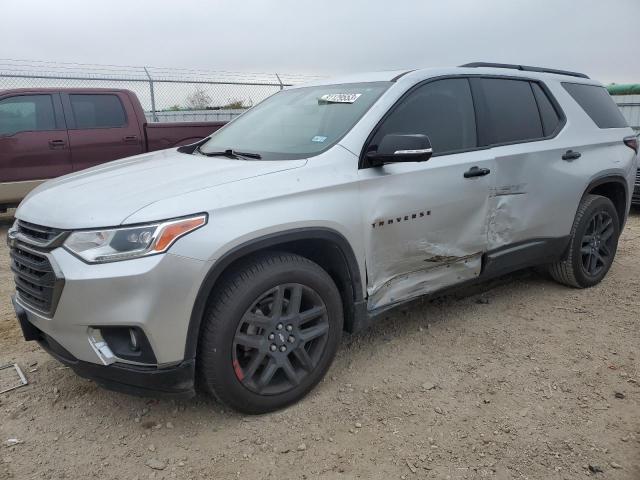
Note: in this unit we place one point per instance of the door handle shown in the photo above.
(57, 144)
(571, 155)
(130, 138)
(476, 172)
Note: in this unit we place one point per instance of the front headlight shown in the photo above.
(111, 245)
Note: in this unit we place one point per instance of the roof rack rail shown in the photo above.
(523, 68)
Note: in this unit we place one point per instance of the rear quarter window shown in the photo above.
(597, 103)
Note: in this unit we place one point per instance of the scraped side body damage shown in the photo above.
(425, 226)
(414, 284)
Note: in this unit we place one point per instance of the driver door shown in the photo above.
(426, 222)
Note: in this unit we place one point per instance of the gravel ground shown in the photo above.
(521, 378)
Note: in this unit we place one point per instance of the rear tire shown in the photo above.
(593, 244)
(270, 333)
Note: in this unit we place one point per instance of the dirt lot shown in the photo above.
(518, 379)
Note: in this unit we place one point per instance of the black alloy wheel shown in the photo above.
(270, 332)
(592, 244)
(598, 243)
(280, 339)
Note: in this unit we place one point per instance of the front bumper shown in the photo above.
(74, 309)
(155, 294)
(176, 381)
(635, 199)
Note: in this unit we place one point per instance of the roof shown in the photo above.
(63, 90)
(475, 69)
(526, 68)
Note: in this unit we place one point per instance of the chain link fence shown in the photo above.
(166, 94)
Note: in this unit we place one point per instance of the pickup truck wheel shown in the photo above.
(270, 333)
(593, 244)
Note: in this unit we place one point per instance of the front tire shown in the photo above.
(270, 333)
(593, 244)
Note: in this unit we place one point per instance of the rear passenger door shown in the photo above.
(102, 127)
(534, 188)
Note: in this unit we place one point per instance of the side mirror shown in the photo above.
(401, 148)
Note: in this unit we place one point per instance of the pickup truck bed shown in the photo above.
(47, 132)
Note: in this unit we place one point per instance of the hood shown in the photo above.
(106, 195)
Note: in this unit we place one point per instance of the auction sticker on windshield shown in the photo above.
(339, 97)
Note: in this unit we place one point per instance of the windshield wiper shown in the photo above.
(231, 154)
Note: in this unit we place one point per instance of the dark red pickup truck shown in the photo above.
(45, 133)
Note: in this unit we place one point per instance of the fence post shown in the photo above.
(280, 82)
(153, 97)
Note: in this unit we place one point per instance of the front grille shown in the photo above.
(37, 234)
(636, 191)
(38, 285)
(36, 281)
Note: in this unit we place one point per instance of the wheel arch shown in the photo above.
(615, 188)
(326, 247)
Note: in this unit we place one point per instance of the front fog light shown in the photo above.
(129, 343)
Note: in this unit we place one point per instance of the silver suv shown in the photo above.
(235, 264)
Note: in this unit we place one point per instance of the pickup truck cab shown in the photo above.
(46, 133)
(234, 264)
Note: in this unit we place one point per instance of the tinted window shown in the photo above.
(548, 113)
(26, 113)
(598, 104)
(442, 110)
(511, 111)
(97, 111)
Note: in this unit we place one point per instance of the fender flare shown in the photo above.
(262, 243)
(608, 178)
(611, 178)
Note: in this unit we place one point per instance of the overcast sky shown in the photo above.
(600, 38)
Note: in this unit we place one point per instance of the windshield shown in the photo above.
(297, 123)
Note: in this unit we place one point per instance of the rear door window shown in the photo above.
(597, 103)
(442, 110)
(97, 111)
(510, 111)
(26, 113)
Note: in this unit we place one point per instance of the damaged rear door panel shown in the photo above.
(523, 123)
